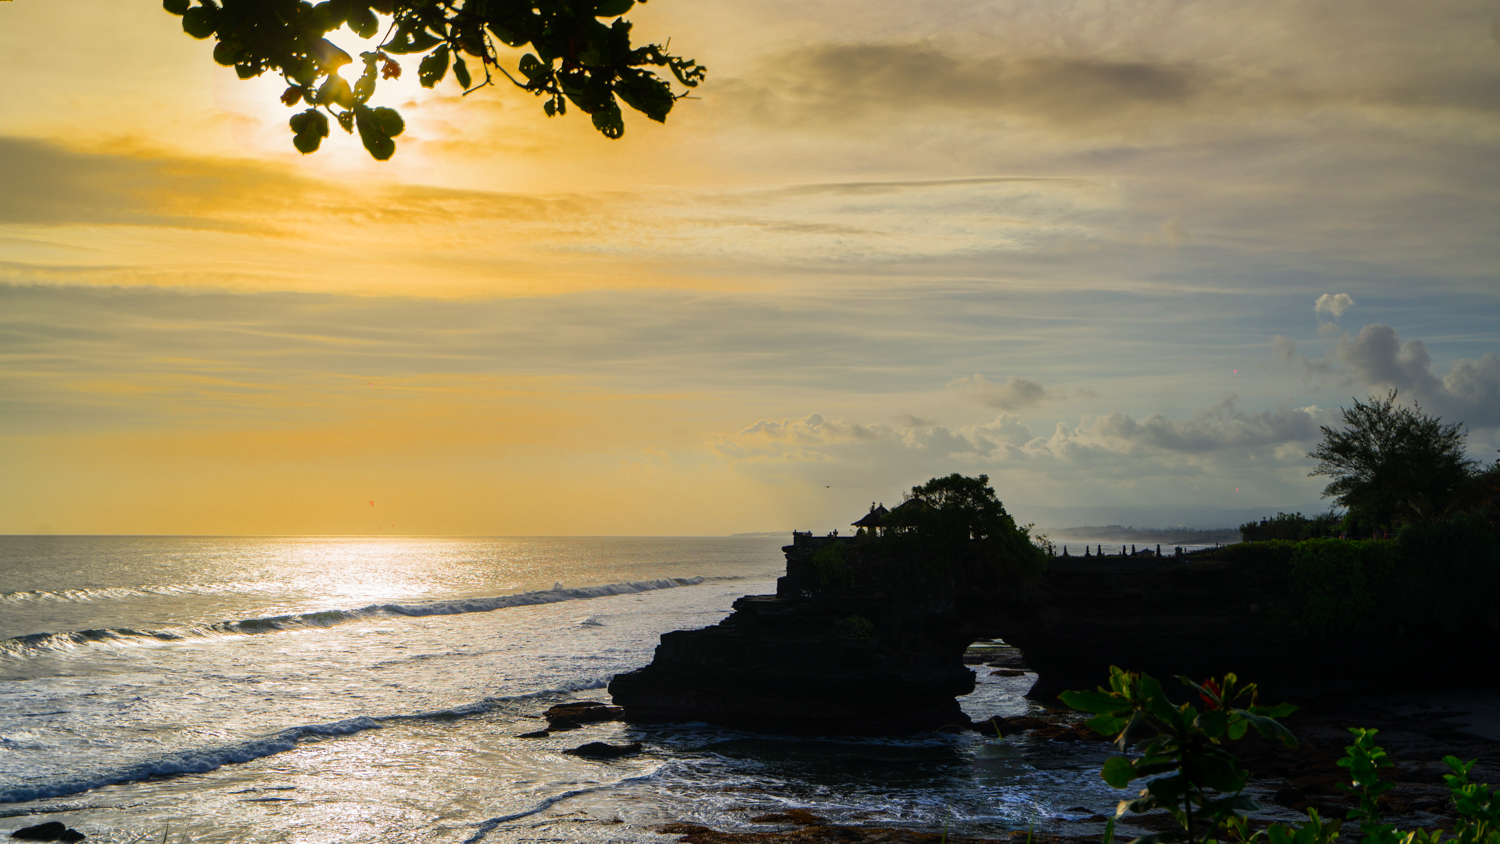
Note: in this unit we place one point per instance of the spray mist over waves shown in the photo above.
(21, 647)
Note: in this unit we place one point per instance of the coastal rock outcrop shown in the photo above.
(812, 660)
(867, 634)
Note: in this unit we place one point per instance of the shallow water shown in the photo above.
(308, 690)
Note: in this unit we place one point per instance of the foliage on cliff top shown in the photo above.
(954, 530)
(1434, 579)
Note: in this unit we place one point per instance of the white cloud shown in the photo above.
(1377, 359)
(1333, 303)
(1116, 445)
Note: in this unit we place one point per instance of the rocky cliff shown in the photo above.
(876, 653)
(812, 659)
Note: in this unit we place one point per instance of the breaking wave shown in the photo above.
(37, 644)
(204, 760)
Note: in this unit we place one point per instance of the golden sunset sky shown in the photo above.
(1125, 257)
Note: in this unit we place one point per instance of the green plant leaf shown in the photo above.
(1118, 771)
(200, 21)
(1213, 723)
(533, 68)
(373, 132)
(176, 7)
(433, 67)
(335, 91)
(609, 121)
(309, 129)
(389, 121)
(646, 94)
(461, 73)
(1268, 727)
(363, 22)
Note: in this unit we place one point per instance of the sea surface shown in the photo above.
(372, 689)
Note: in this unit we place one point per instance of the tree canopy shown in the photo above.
(1391, 461)
(575, 57)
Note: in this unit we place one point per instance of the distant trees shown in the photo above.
(1394, 464)
(1292, 527)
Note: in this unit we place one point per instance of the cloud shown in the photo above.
(832, 83)
(1334, 304)
(1014, 394)
(1377, 359)
(1117, 438)
(1219, 427)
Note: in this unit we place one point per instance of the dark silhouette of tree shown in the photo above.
(1391, 461)
(575, 57)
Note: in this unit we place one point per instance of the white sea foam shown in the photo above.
(38, 643)
(206, 759)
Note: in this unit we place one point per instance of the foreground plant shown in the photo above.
(1201, 784)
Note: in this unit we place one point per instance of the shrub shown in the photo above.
(1201, 784)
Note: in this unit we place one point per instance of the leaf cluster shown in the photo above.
(1200, 783)
(575, 57)
(1191, 774)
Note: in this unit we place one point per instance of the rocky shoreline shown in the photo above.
(1287, 781)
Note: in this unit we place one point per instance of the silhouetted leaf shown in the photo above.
(433, 68)
(363, 22)
(609, 121)
(532, 68)
(310, 128)
(176, 7)
(373, 134)
(646, 94)
(335, 91)
(199, 21)
(461, 73)
(611, 8)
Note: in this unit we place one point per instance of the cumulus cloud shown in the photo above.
(1014, 393)
(1117, 443)
(1377, 359)
(1333, 303)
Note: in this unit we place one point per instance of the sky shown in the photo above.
(1125, 257)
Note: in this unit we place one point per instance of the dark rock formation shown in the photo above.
(581, 712)
(863, 649)
(812, 660)
(600, 750)
(1164, 616)
(50, 831)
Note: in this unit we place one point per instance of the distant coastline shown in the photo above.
(1120, 533)
(1103, 533)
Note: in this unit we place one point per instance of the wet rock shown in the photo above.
(802, 817)
(600, 750)
(582, 712)
(680, 828)
(1008, 672)
(535, 734)
(50, 831)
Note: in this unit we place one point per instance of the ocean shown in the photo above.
(314, 689)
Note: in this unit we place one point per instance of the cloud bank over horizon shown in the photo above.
(1070, 244)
